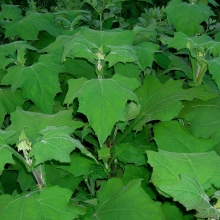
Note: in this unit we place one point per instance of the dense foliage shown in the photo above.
(110, 110)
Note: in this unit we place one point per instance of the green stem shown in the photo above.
(203, 69)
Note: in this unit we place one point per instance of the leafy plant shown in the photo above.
(109, 110)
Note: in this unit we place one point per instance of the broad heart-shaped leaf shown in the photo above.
(56, 144)
(214, 66)
(48, 203)
(29, 27)
(39, 82)
(10, 12)
(201, 43)
(185, 177)
(106, 98)
(34, 122)
(162, 101)
(173, 137)
(5, 151)
(116, 201)
(203, 117)
(9, 101)
(189, 16)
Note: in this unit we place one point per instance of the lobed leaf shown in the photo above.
(29, 27)
(39, 82)
(110, 97)
(34, 122)
(10, 12)
(185, 176)
(49, 203)
(189, 16)
(162, 101)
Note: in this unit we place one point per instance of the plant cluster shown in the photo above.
(110, 109)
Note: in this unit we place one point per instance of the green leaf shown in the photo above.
(173, 212)
(80, 47)
(203, 117)
(185, 176)
(80, 68)
(129, 70)
(122, 54)
(56, 144)
(79, 165)
(39, 82)
(214, 66)
(49, 203)
(145, 52)
(201, 43)
(29, 27)
(173, 137)
(34, 122)
(189, 16)
(169, 165)
(10, 12)
(130, 153)
(133, 172)
(9, 51)
(64, 179)
(113, 37)
(116, 201)
(110, 97)
(162, 101)
(6, 152)
(9, 101)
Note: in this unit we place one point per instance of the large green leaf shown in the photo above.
(116, 201)
(169, 165)
(174, 137)
(113, 37)
(203, 117)
(110, 97)
(189, 16)
(9, 101)
(201, 43)
(48, 203)
(56, 144)
(162, 101)
(29, 27)
(5, 151)
(10, 12)
(39, 82)
(185, 177)
(34, 122)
